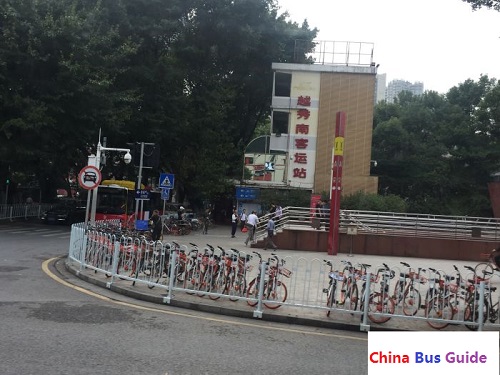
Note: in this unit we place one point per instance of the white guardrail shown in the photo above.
(22, 211)
(356, 294)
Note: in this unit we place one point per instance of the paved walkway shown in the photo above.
(221, 236)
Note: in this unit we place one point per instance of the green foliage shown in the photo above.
(285, 197)
(489, 4)
(192, 76)
(373, 202)
(438, 151)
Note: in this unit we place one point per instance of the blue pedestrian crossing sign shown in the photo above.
(165, 194)
(167, 181)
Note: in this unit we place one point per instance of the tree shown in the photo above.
(192, 76)
(438, 151)
(489, 4)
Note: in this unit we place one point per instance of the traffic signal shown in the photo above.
(7, 181)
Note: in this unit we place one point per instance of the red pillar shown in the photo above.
(337, 163)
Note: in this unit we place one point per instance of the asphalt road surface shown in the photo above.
(54, 323)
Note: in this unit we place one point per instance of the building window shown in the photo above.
(282, 84)
(280, 122)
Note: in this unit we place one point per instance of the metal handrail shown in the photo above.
(390, 223)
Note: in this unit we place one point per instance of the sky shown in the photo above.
(441, 43)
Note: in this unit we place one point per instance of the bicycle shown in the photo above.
(275, 291)
(490, 310)
(192, 273)
(162, 264)
(405, 291)
(331, 291)
(131, 255)
(486, 269)
(238, 267)
(380, 302)
(447, 301)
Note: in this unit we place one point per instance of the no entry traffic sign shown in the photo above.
(89, 177)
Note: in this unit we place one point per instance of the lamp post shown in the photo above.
(96, 162)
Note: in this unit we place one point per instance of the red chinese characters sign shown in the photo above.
(301, 143)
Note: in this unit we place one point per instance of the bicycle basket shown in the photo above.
(339, 276)
(285, 271)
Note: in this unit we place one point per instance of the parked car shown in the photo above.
(66, 211)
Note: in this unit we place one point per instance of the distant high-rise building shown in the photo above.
(396, 86)
(380, 87)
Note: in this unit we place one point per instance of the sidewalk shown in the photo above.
(221, 236)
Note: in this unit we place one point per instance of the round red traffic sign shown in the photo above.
(89, 177)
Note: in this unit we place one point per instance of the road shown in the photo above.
(53, 323)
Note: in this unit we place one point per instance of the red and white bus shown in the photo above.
(116, 200)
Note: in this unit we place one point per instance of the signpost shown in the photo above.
(337, 164)
(89, 178)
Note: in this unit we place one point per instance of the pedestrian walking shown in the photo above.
(243, 218)
(319, 213)
(251, 224)
(234, 222)
(206, 220)
(325, 214)
(155, 225)
(270, 234)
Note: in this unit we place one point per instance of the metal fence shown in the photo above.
(391, 223)
(352, 294)
(16, 211)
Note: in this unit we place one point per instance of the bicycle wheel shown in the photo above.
(236, 287)
(204, 282)
(218, 285)
(380, 304)
(253, 292)
(353, 296)
(411, 301)
(107, 262)
(191, 280)
(330, 299)
(158, 271)
(472, 314)
(344, 290)
(126, 267)
(437, 310)
(277, 293)
(398, 292)
(484, 270)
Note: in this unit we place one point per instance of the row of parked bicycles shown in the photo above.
(442, 299)
(210, 270)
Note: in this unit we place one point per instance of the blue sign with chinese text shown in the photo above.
(244, 193)
(141, 194)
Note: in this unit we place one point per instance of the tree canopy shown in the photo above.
(439, 151)
(191, 76)
(489, 4)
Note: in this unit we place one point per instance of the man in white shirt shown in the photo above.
(234, 222)
(251, 224)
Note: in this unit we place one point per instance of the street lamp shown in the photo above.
(96, 162)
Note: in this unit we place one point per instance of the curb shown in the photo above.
(275, 317)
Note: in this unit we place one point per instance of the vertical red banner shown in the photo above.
(337, 163)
